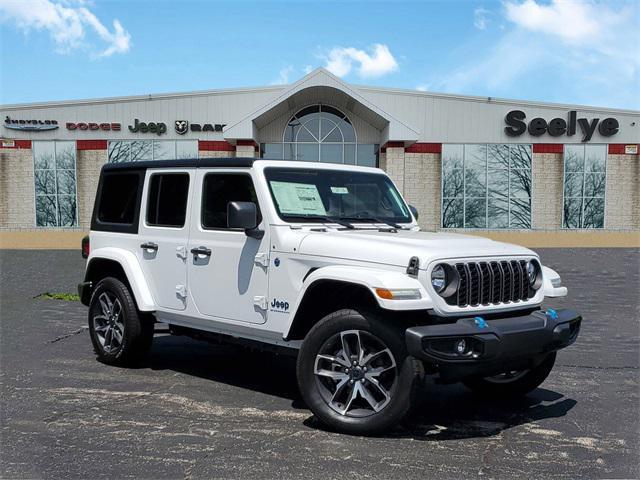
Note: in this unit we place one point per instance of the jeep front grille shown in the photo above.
(490, 283)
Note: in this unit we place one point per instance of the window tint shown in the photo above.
(167, 202)
(218, 190)
(118, 198)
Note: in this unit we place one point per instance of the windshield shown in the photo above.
(310, 195)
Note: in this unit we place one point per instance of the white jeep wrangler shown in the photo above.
(323, 261)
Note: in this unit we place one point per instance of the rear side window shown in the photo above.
(118, 202)
(167, 201)
(218, 190)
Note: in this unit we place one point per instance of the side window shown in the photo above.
(118, 200)
(218, 190)
(167, 201)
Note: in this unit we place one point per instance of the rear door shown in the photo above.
(164, 234)
(228, 280)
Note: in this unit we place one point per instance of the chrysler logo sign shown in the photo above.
(30, 125)
(559, 126)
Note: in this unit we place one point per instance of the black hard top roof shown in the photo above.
(181, 163)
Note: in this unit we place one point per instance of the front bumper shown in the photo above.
(492, 346)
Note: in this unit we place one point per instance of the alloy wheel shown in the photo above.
(109, 323)
(356, 373)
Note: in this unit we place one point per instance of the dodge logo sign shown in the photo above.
(181, 127)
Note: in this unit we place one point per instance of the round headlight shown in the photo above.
(438, 278)
(532, 272)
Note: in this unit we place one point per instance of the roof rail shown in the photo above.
(182, 163)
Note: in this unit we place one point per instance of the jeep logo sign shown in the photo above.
(516, 125)
(280, 306)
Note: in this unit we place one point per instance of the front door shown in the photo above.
(227, 269)
(164, 234)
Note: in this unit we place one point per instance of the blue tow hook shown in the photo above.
(480, 322)
(552, 314)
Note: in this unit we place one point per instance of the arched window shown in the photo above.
(320, 133)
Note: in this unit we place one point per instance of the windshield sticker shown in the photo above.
(298, 198)
(340, 190)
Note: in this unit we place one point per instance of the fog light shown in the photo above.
(461, 346)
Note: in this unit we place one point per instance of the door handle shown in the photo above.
(150, 246)
(201, 251)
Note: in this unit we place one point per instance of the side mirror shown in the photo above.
(244, 215)
(414, 211)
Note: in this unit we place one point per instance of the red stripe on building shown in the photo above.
(91, 144)
(246, 143)
(26, 144)
(619, 149)
(393, 145)
(215, 146)
(424, 148)
(548, 148)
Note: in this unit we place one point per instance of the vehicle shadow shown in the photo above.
(441, 412)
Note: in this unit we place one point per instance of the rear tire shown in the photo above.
(519, 384)
(120, 334)
(355, 374)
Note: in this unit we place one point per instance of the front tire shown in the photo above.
(120, 334)
(512, 384)
(354, 373)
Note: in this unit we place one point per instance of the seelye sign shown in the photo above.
(516, 125)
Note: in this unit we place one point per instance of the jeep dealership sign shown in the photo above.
(516, 125)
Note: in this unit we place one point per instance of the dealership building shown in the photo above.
(529, 172)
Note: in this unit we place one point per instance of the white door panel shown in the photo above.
(164, 262)
(228, 283)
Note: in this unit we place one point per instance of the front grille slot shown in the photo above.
(490, 283)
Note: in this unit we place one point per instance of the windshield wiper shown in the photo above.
(377, 220)
(327, 219)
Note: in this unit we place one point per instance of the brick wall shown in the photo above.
(17, 198)
(546, 201)
(394, 166)
(215, 154)
(89, 163)
(622, 205)
(422, 186)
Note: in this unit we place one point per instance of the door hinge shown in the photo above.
(262, 259)
(181, 290)
(261, 302)
(181, 252)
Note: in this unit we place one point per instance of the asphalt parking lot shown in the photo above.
(194, 410)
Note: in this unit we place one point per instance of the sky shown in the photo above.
(576, 52)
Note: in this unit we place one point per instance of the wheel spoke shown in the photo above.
(369, 358)
(354, 394)
(108, 334)
(105, 304)
(380, 388)
(338, 392)
(332, 359)
(358, 352)
(366, 394)
(374, 372)
(335, 375)
(117, 309)
(118, 337)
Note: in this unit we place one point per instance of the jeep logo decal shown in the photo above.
(279, 306)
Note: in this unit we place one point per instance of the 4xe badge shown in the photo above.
(182, 126)
(279, 306)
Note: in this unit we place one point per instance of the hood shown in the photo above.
(397, 248)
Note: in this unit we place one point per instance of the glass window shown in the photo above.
(167, 202)
(218, 189)
(584, 186)
(118, 198)
(55, 183)
(486, 186)
(316, 195)
(143, 150)
(322, 133)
